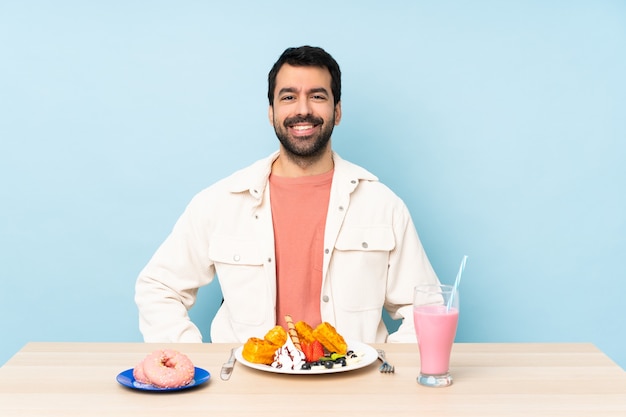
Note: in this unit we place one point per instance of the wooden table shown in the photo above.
(79, 379)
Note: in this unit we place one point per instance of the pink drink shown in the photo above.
(435, 329)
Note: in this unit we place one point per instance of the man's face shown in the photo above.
(304, 113)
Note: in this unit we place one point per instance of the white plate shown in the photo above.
(367, 353)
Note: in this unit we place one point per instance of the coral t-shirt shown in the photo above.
(299, 208)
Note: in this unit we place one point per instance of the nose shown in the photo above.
(303, 107)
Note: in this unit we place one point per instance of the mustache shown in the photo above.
(303, 119)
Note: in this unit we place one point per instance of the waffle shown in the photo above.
(305, 332)
(330, 339)
(257, 350)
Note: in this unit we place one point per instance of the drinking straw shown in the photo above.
(457, 281)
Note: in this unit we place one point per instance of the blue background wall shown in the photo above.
(501, 124)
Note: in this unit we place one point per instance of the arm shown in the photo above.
(167, 287)
(408, 266)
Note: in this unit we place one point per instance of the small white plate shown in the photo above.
(367, 354)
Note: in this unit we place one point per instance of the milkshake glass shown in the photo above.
(435, 315)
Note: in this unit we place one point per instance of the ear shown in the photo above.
(337, 113)
(270, 114)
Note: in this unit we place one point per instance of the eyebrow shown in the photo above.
(295, 90)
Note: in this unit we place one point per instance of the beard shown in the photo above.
(304, 147)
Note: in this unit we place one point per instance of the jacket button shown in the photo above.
(364, 245)
(325, 298)
(326, 251)
(236, 258)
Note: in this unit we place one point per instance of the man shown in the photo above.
(302, 232)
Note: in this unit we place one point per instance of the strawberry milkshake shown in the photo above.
(435, 316)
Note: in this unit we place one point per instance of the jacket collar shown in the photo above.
(255, 177)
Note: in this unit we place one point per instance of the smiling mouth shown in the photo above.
(303, 130)
(300, 128)
(303, 123)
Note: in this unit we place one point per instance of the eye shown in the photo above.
(287, 98)
(318, 97)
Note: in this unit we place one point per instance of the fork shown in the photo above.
(386, 367)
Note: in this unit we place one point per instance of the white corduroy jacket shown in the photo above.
(373, 259)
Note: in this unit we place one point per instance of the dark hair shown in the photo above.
(306, 56)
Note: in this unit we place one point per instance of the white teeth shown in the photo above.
(305, 127)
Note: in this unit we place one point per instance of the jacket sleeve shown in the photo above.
(167, 287)
(408, 266)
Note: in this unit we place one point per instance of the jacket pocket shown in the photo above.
(358, 270)
(239, 268)
(366, 238)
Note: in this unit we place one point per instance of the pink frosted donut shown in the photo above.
(139, 374)
(168, 369)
